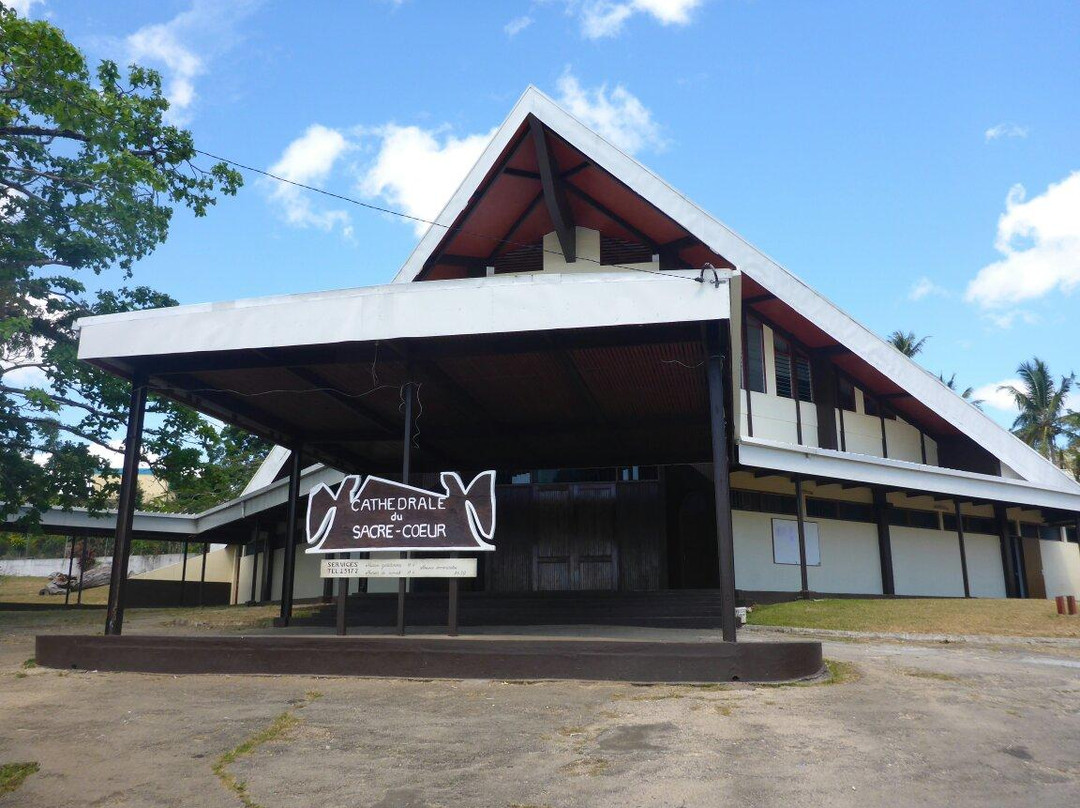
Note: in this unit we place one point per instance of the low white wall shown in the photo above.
(862, 433)
(903, 441)
(43, 567)
(850, 563)
(1061, 567)
(926, 562)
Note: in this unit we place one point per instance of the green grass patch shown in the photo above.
(277, 729)
(1016, 618)
(12, 775)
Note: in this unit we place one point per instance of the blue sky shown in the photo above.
(917, 163)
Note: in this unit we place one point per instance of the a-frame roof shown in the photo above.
(469, 235)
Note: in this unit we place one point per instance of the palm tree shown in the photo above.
(1043, 417)
(967, 392)
(907, 344)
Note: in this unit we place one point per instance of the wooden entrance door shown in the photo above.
(576, 545)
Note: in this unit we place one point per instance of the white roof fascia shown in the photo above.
(899, 474)
(277, 493)
(494, 305)
(748, 259)
(179, 524)
(268, 469)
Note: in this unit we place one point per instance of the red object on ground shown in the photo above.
(1071, 601)
(1060, 601)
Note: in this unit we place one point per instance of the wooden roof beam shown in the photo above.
(554, 192)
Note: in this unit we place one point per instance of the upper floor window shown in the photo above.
(754, 370)
(792, 371)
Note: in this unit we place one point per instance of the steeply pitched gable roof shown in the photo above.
(731, 248)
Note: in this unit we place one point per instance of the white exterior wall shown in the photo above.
(849, 557)
(774, 418)
(1061, 568)
(754, 567)
(985, 574)
(926, 562)
(903, 440)
(862, 433)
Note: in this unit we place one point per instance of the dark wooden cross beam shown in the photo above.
(619, 220)
(891, 396)
(351, 403)
(554, 192)
(507, 241)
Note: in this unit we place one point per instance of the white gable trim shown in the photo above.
(753, 262)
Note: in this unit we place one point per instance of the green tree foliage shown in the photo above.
(967, 393)
(1043, 417)
(90, 174)
(907, 344)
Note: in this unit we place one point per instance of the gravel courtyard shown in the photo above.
(912, 724)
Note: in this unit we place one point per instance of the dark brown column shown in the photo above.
(254, 563)
(800, 521)
(268, 567)
(71, 569)
(183, 571)
(714, 366)
(406, 457)
(202, 574)
(125, 511)
(288, 567)
(963, 548)
(881, 519)
(1008, 565)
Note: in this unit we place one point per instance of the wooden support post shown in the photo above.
(451, 627)
(963, 548)
(71, 569)
(881, 519)
(342, 597)
(714, 367)
(800, 521)
(267, 593)
(183, 570)
(1008, 565)
(202, 573)
(125, 510)
(82, 566)
(289, 565)
(406, 456)
(254, 563)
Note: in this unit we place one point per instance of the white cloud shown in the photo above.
(517, 25)
(1005, 130)
(606, 18)
(23, 7)
(309, 160)
(997, 399)
(182, 47)
(1039, 240)
(924, 287)
(417, 170)
(617, 115)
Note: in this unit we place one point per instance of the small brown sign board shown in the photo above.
(398, 568)
(379, 514)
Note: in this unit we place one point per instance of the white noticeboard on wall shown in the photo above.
(785, 542)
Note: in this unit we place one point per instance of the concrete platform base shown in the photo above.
(472, 657)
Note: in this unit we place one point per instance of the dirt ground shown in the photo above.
(916, 724)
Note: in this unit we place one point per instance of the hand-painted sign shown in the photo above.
(379, 514)
(398, 568)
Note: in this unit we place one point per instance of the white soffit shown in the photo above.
(751, 261)
(899, 475)
(495, 305)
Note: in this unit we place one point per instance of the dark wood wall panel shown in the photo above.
(578, 536)
(639, 526)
